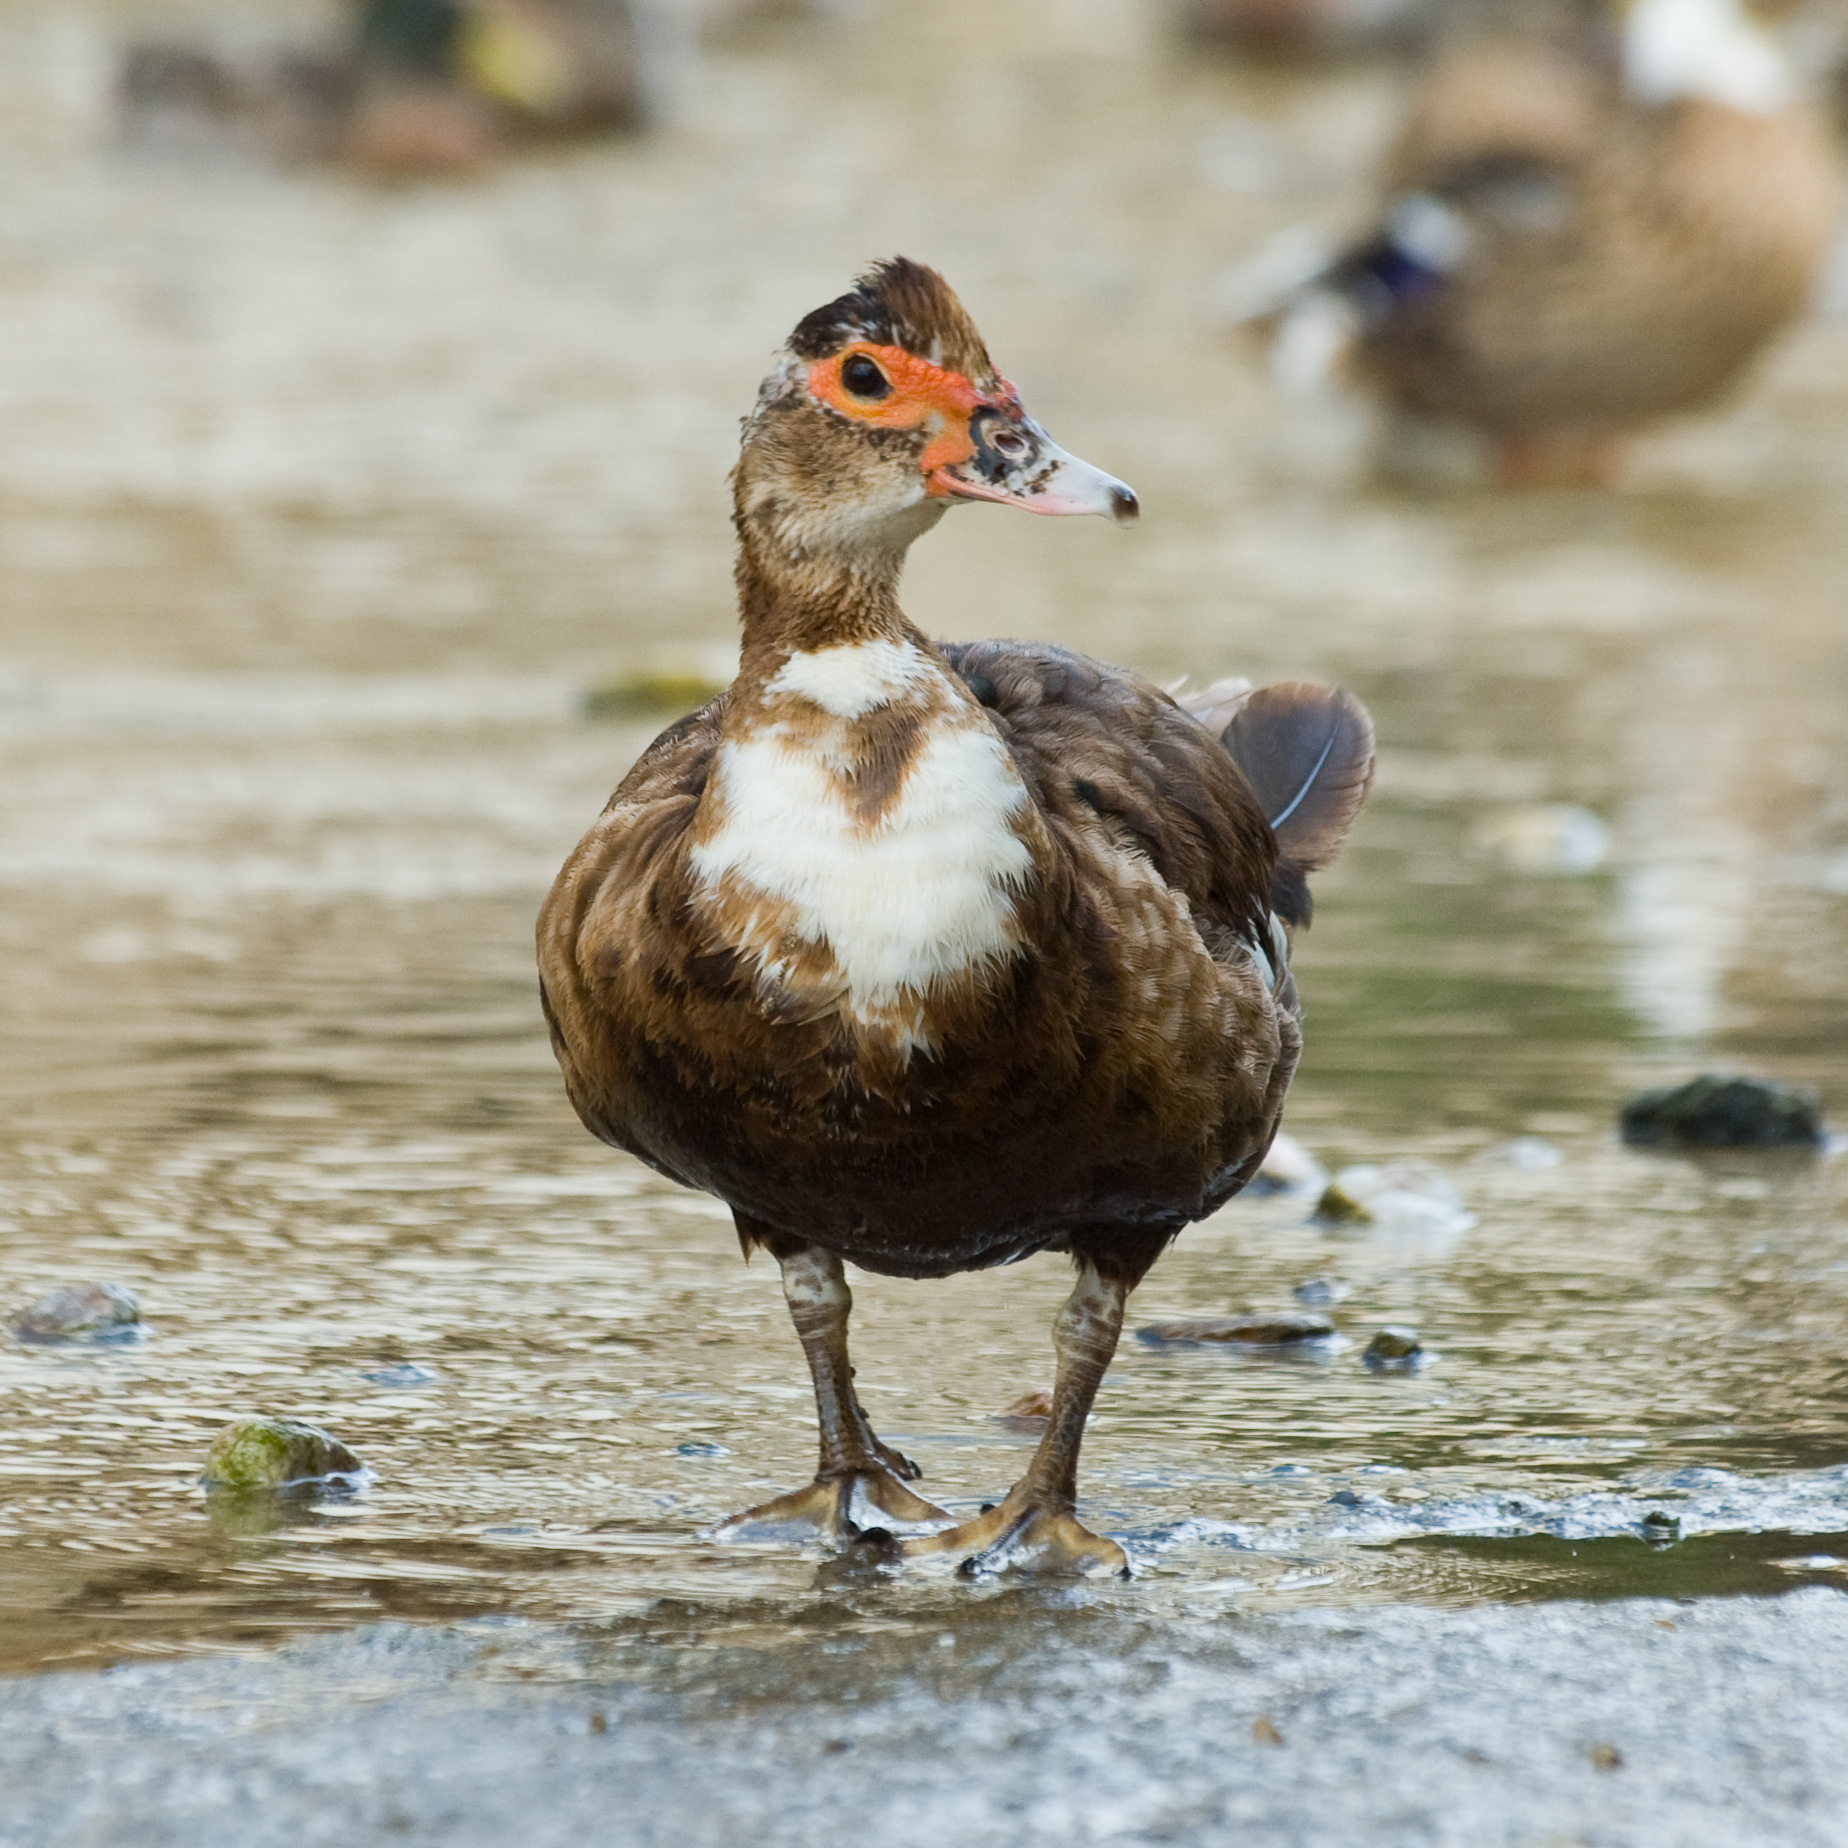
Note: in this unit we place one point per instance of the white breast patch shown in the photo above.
(854, 678)
(922, 891)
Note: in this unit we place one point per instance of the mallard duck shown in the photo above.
(421, 87)
(1581, 236)
(447, 85)
(929, 957)
(1291, 31)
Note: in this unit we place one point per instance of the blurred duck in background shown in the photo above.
(1583, 234)
(450, 85)
(1306, 31)
(420, 88)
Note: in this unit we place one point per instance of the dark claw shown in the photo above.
(874, 1536)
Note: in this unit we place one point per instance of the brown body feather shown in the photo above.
(1120, 1076)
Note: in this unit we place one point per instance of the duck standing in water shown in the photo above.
(1582, 236)
(932, 957)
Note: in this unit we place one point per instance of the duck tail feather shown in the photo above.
(1307, 752)
(1218, 705)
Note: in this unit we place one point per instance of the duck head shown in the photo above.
(882, 412)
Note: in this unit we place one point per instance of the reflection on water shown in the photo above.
(321, 506)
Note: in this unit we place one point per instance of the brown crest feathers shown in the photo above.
(1307, 752)
(904, 304)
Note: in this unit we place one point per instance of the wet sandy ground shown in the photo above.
(1021, 1718)
(319, 510)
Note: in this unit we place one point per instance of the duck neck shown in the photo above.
(794, 601)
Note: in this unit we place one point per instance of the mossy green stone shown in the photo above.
(642, 695)
(1394, 1347)
(272, 1453)
(1338, 1207)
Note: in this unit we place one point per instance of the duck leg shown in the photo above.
(1561, 459)
(1036, 1529)
(860, 1482)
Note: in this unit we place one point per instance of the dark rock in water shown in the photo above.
(258, 1454)
(1661, 1528)
(81, 1312)
(1245, 1331)
(1395, 1350)
(1710, 1112)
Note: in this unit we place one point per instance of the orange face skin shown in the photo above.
(920, 393)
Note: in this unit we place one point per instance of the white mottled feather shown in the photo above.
(854, 678)
(924, 890)
(1709, 49)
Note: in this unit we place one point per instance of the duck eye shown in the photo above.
(864, 379)
(1009, 443)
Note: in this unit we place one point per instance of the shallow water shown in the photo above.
(319, 510)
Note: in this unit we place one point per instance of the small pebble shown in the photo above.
(1606, 1757)
(276, 1453)
(1322, 1292)
(407, 1375)
(1028, 1413)
(1400, 1196)
(1264, 1731)
(1713, 1112)
(1247, 1331)
(1544, 837)
(1395, 1350)
(81, 1312)
(1527, 1153)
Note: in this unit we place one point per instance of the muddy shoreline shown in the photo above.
(1020, 1716)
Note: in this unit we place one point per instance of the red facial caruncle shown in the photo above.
(887, 386)
(981, 445)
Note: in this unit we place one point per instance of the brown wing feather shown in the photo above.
(1091, 737)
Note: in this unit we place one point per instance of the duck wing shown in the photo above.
(618, 882)
(1094, 741)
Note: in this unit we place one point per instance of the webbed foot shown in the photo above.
(1019, 1536)
(841, 1508)
(897, 1462)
